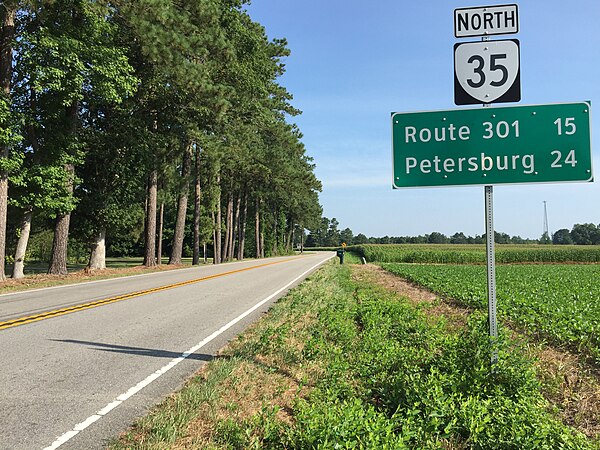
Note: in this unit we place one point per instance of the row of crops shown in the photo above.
(553, 301)
(556, 301)
(475, 254)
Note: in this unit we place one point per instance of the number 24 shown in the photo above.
(570, 159)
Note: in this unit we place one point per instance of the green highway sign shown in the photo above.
(487, 146)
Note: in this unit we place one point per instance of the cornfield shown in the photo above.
(475, 254)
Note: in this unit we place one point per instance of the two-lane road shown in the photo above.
(80, 362)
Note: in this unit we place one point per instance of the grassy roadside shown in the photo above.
(341, 362)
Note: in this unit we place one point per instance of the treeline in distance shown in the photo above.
(328, 234)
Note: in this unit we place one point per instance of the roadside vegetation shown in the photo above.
(146, 129)
(345, 362)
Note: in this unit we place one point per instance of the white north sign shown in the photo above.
(486, 20)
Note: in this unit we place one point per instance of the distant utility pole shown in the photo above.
(546, 221)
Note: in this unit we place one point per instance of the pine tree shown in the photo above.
(8, 11)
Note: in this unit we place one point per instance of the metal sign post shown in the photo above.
(491, 267)
(490, 256)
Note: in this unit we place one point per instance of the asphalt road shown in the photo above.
(75, 380)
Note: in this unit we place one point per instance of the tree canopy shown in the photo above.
(111, 107)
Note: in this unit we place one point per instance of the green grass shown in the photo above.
(475, 254)
(375, 373)
(557, 302)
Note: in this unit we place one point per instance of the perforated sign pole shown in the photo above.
(491, 266)
(491, 261)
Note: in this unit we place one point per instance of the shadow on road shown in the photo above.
(139, 351)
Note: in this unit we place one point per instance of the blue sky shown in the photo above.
(354, 62)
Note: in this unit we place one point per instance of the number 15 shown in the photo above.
(569, 126)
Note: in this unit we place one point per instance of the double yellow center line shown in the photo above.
(105, 301)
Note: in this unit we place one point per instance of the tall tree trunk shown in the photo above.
(58, 261)
(8, 13)
(231, 227)
(231, 220)
(218, 236)
(215, 246)
(22, 245)
(197, 198)
(275, 248)
(257, 228)
(150, 238)
(98, 255)
(225, 244)
(286, 236)
(177, 248)
(233, 230)
(301, 239)
(242, 229)
(228, 229)
(161, 226)
(289, 242)
(58, 258)
(236, 226)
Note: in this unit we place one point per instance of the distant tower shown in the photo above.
(546, 234)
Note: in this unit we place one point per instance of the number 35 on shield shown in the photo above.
(487, 72)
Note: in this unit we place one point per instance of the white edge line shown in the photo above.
(142, 384)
